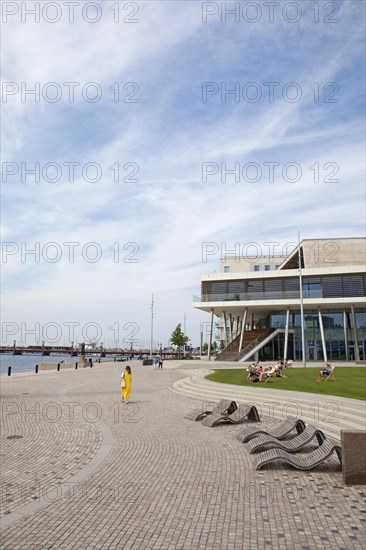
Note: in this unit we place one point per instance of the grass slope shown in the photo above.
(350, 381)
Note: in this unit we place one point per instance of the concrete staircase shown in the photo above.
(251, 339)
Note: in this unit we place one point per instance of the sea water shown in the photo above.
(27, 363)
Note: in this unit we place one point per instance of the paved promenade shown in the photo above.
(80, 470)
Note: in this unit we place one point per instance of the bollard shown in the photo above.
(9, 371)
(76, 366)
(114, 359)
(36, 369)
(58, 367)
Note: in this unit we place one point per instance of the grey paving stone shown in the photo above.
(141, 476)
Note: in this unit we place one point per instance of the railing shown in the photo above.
(248, 296)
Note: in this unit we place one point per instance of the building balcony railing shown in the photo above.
(248, 296)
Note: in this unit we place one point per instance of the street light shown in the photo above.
(152, 326)
(301, 307)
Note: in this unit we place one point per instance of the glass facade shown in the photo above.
(338, 334)
(330, 286)
(341, 340)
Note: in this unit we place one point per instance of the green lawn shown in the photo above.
(350, 381)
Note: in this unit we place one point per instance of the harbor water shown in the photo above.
(27, 362)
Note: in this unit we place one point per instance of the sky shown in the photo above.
(135, 133)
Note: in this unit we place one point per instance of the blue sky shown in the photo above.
(169, 212)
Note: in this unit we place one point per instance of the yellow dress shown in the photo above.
(126, 391)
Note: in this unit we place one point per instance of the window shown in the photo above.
(273, 289)
(256, 268)
(312, 288)
(267, 268)
(226, 269)
(291, 288)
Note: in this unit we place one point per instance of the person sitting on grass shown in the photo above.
(255, 370)
(281, 365)
(326, 371)
(269, 372)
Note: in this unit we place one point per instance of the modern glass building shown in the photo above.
(257, 303)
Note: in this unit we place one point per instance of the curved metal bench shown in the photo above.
(222, 407)
(243, 412)
(289, 424)
(306, 461)
(292, 445)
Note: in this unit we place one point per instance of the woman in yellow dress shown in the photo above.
(126, 379)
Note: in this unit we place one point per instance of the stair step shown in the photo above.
(274, 404)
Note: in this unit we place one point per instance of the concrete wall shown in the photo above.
(334, 252)
(246, 264)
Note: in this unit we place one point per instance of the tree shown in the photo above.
(205, 347)
(178, 338)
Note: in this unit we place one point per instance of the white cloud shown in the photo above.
(170, 212)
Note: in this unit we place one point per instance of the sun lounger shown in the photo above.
(223, 407)
(282, 429)
(302, 461)
(268, 442)
(243, 412)
(273, 375)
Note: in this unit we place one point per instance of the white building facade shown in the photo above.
(256, 303)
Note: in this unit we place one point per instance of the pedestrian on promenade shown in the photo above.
(155, 362)
(160, 363)
(126, 378)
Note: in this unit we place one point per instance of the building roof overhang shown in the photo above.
(278, 274)
(237, 307)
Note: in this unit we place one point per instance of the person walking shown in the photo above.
(160, 363)
(155, 362)
(126, 379)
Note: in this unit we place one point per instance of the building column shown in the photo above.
(286, 334)
(355, 334)
(345, 327)
(225, 328)
(230, 327)
(222, 331)
(237, 327)
(211, 329)
(243, 328)
(322, 336)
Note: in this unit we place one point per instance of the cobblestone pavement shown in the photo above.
(89, 472)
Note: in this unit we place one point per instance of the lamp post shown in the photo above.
(152, 326)
(301, 307)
